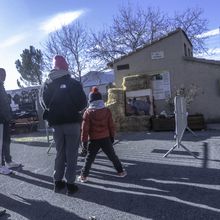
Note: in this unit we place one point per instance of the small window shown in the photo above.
(123, 67)
(158, 77)
(185, 50)
(189, 52)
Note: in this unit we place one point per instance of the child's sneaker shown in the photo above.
(4, 170)
(122, 174)
(12, 164)
(82, 179)
(83, 153)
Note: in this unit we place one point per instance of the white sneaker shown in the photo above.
(122, 174)
(82, 179)
(4, 170)
(12, 164)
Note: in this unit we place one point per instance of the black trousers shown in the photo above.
(6, 156)
(94, 146)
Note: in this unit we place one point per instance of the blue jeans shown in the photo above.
(106, 145)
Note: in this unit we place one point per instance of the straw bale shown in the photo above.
(116, 109)
(117, 113)
(116, 95)
(135, 123)
(130, 123)
(136, 82)
(116, 103)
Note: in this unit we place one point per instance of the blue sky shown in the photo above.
(28, 22)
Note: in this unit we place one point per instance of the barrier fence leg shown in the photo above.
(165, 155)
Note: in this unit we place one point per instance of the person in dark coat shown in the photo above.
(98, 129)
(2, 212)
(5, 131)
(64, 99)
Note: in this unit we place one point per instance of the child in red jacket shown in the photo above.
(98, 129)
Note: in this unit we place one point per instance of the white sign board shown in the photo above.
(180, 123)
(142, 94)
(180, 115)
(161, 85)
(157, 55)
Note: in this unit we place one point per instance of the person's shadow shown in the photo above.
(34, 209)
(156, 191)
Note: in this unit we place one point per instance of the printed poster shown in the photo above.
(161, 86)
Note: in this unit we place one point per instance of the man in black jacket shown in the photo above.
(64, 98)
(5, 136)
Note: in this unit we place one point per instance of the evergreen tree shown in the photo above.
(30, 67)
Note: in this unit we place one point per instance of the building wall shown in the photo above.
(183, 73)
(206, 76)
(142, 63)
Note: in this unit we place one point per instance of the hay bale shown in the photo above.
(135, 123)
(116, 103)
(116, 95)
(136, 82)
(117, 113)
(116, 109)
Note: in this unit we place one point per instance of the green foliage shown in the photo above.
(30, 67)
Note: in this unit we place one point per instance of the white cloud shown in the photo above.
(212, 53)
(214, 50)
(59, 20)
(12, 40)
(210, 33)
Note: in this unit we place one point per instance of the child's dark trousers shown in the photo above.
(94, 146)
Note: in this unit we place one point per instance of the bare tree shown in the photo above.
(130, 30)
(53, 47)
(194, 25)
(104, 48)
(72, 42)
(158, 23)
(134, 27)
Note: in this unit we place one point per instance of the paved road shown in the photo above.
(173, 188)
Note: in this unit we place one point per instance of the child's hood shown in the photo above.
(98, 114)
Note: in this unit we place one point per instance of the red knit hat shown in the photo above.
(94, 95)
(60, 63)
(2, 74)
